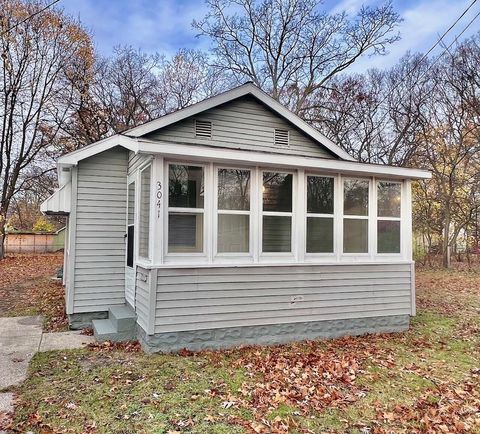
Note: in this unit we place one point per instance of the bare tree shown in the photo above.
(37, 55)
(132, 87)
(375, 116)
(290, 48)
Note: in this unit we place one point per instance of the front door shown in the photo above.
(130, 247)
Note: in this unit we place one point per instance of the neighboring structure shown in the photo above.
(18, 241)
(233, 221)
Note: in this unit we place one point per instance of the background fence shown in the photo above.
(35, 242)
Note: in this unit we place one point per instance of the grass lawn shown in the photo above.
(423, 380)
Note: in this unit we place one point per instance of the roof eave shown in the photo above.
(224, 155)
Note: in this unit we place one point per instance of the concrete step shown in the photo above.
(123, 317)
(105, 330)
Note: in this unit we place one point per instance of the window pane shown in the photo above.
(185, 186)
(355, 201)
(277, 234)
(388, 240)
(355, 236)
(319, 235)
(185, 233)
(233, 233)
(130, 245)
(277, 192)
(389, 198)
(319, 195)
(234, 189)
(144, 215)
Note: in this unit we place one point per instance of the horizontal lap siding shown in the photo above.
(100, 230)
(142, 296)
(204, 298)
(135, 161)
(243, 124)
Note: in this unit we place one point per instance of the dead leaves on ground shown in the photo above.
(26, 288)
(20, 268)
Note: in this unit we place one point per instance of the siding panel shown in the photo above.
(100, 229)
(142, 296)
(244, 124)
(203, 298)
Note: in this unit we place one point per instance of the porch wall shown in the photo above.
(222, 306)
(100, 221)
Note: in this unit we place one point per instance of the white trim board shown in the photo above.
(230, 95)
(74, 157)
(229, 156)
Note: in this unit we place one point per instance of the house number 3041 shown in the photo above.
(159, 198)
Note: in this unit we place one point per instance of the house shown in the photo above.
(233, 221)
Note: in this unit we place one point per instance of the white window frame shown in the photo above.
(138, 204)
(312, 256)
(184, 257)
(298, 215)
(378, 218)
(369, 218)
(277, 256)
(229, 256)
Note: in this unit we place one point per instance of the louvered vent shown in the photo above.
(203, 128)
(281, 137)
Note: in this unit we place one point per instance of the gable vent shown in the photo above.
(281, 137)
(203, 128)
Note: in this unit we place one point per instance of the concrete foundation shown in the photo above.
(270, 334)
(78, 321)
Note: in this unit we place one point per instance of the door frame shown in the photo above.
(131, 179)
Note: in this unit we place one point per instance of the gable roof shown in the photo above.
(230, 95)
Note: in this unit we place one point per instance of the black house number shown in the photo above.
(159, 198)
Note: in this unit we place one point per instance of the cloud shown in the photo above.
(424, 22)
(161, 25)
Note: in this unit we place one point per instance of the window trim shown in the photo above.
(219, 256)
(333, 216)
(399, 219)
(292, 214)
(168, 210)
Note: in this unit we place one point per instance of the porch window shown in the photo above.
(186, 192)
(144, 214)
(389, 198)
(233, 224)
(277, 212)
(320, 214)
(355, 212)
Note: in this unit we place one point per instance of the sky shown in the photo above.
(164, 26)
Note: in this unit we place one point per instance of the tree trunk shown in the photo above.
(446, 245)
(3, 225)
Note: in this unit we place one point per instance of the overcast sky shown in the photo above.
(164, 26)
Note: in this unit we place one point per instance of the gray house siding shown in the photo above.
(244, 124)
(142, 297)
(135, 161)
(218, 307)
(100, 219)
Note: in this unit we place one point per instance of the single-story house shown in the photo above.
(233, 221)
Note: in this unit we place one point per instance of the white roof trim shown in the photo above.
(59, 202)
(230, 95)
(74, 157)
(201, 153)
